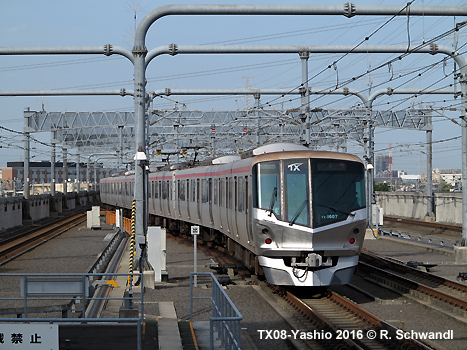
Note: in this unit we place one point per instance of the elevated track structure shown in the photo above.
(140, 57)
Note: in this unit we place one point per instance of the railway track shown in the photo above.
(439, 227)
(345, 324)
(442, 292)
(12, 247)
(328, 320)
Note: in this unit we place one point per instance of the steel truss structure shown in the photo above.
(223, 131)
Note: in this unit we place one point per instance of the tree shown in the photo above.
(445, 187)
(384, 187)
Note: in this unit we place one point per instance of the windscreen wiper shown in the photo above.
(273, 200)
(297, 214)
(337, 210)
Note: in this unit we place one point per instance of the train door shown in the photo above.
(242, 208)
(159, 202)
(248, 203)
(210, 194)
(228, 202)
(188, 198)
(167, 196)
(234, 212)
(198, 202)
(222, 203)
(178, 197)
(173, 196)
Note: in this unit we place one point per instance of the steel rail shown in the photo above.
(319, 320)
(427, 277)
(435, 225)
(407, 285)
(13, 247)
(357, 312)
(372, 319)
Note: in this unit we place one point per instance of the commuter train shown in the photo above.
(296, 215)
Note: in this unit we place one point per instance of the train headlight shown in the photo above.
(268, 240)
(265, 231)
(356, 230)
(352, 240)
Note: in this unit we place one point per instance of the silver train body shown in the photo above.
(295, 214)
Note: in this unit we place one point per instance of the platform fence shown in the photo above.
(225, 318)
(60, 293)
(111, 219)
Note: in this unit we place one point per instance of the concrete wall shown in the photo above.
(39, 207)
(11, 212)
(16, 211)
(448, 206)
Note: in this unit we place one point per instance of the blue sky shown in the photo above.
(92, 23)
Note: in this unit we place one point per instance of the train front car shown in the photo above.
(309, 216)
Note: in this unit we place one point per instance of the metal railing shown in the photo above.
(442, 243)
(225, 318)
(43, 291)
(77, 287)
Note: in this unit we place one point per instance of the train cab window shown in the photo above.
(338, 190)
(267, 182)
(296, 192)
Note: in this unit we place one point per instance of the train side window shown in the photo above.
(169, 184)
(197, 190)
(229, 193)
(235, 194)
(187, 190)
(221, 192)
(193, 191)
(164, 190)
(246, 194)
(240, 194)
(149, 189)
(204, 191)
(181, 190)
(159, 185)
(216, 190)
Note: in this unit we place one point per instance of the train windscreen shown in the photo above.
(338, 189)
(296, 192)
(282, 188)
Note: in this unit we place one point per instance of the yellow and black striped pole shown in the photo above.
(132, 245)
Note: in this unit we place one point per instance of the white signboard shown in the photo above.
(29, 336)
(195, 230)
